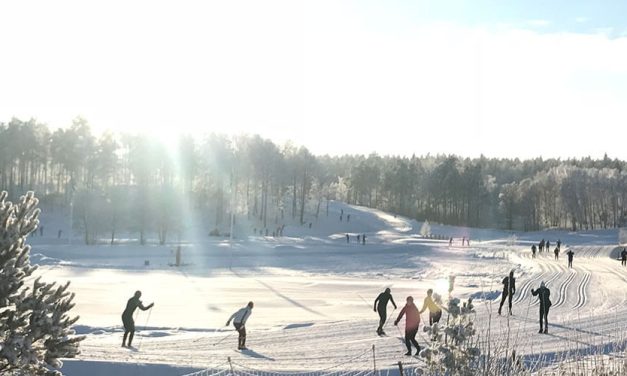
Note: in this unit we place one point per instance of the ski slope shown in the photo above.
(314, 295)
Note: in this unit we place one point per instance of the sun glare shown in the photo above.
(169, 138)
(441, 286)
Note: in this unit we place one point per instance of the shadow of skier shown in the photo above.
(254, 354)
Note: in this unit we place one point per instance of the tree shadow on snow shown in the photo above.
(294, 302)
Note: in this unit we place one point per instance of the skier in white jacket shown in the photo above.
(239, 321)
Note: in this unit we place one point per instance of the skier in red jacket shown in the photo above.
(412, 320)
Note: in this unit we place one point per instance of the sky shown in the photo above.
(508, 79)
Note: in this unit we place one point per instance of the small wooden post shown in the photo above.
(400, 368)
(374, 361)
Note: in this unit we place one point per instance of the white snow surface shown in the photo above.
(314, 294)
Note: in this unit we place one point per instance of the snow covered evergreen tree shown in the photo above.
(425, 229)
(35, 328)
(453, 349)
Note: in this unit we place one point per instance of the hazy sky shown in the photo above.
(502, 78)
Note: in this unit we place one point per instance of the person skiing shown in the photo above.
(557, 253)
(380, 306)
(347, 239)
(559, 243)
(545, 303)
(623, 257)
(570, 254)
(541, 246)
(435, 312)
(127, 317)
(509, 289)
(533, 251)
(363, 239)
(239, 322)
(412, 321)
(548, 245)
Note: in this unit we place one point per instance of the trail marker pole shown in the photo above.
(400, 368)
(374, 361)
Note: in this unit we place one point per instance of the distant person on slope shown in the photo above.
(557, 253)
(239, 322)
(623, 257)
(127, 317)
(412, 321)
(570, 254)
(545, 303)
(435, 311)
(380, 306)
(533, 251)
(509, 289)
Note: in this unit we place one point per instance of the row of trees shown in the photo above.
(134, 182)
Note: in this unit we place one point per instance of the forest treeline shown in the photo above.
(122, 182)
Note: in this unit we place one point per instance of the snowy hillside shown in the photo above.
(314, 294)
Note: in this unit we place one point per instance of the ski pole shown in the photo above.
(362, 298)
(145, 325)
(390, 316)
(401, 336)
(223, 338)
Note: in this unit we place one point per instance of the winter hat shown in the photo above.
(410, 299)
(542, 284)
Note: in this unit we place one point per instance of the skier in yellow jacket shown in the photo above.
(435, 311)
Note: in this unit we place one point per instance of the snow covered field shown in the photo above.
(314, 295)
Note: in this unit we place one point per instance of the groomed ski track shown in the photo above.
(334, 328)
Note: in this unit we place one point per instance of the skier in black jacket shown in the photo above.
(570, 254)
(509, 289)
(127, 316)
(545, 303)
(380, 306)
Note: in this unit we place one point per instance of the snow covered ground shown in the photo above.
(314, 294)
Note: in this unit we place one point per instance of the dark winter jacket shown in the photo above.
(381, 302)
(132, 304)
(544, 294)
(509, 284)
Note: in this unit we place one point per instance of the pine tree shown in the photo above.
(35, 328)
(425, 229)
(453, 349)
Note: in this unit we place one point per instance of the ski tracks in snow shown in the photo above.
(582, 295)
(563, 289)
(526, 287)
